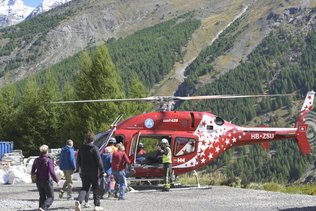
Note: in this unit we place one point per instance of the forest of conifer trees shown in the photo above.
(108, 71)
(269, 69)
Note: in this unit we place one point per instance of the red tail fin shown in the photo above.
(303, 125)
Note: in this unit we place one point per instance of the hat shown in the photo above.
(107, 150)
(141, 145)
(164, 141)
(112, 140)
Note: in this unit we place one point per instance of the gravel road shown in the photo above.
(25, 197)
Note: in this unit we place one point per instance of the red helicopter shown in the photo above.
(195, 138)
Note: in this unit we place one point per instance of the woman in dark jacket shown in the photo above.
(43, 167)
(90, 164)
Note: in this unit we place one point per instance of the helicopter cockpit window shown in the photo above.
(184, 146)
(210, 127)
(119, 139)
(219, 121)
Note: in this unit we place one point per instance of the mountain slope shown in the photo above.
(45, 6)
(255, 25)
(282, 63)
(81, 24)
(13, 12)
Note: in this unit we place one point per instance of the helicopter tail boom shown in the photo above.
(306, 125)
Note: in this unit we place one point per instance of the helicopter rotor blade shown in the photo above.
(106, 100)
(169, 98)
(209, 97)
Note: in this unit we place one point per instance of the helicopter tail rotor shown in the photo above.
(310, 120)
(306, 132)
(306, 125)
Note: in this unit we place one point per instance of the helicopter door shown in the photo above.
(184, 149)
(133, 148)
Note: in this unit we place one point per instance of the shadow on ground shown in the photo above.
(55, 208)
(300, 209)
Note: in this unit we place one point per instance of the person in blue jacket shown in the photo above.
(107, 163)
(68, 166)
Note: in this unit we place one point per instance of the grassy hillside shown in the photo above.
(30, 34)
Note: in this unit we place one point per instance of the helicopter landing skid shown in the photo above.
(143, 183)
(160, 188)
(155, 184)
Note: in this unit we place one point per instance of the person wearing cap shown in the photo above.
(167, 164)
(111, 145)
(141, 150)
(141, 153)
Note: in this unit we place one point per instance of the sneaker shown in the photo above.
(69, 197)
(41, 209)
(77, 206)
(96, 208)
(121, 198)
(87, 205)
(61, 193)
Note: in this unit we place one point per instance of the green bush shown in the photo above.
(271, 186)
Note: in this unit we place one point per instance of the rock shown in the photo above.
(17, 175)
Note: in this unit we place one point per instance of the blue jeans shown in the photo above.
(120, 179)
(105, 184)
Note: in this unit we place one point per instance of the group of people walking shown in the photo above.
(101, 172)
(98, 171)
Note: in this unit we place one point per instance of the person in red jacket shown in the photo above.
(119, 162)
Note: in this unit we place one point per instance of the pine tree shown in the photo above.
(67, 116)
(7, 112)
(137, 90)
(98, 79)
(26, 131)
(49, 112)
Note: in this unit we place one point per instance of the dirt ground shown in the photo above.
(25, 197)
